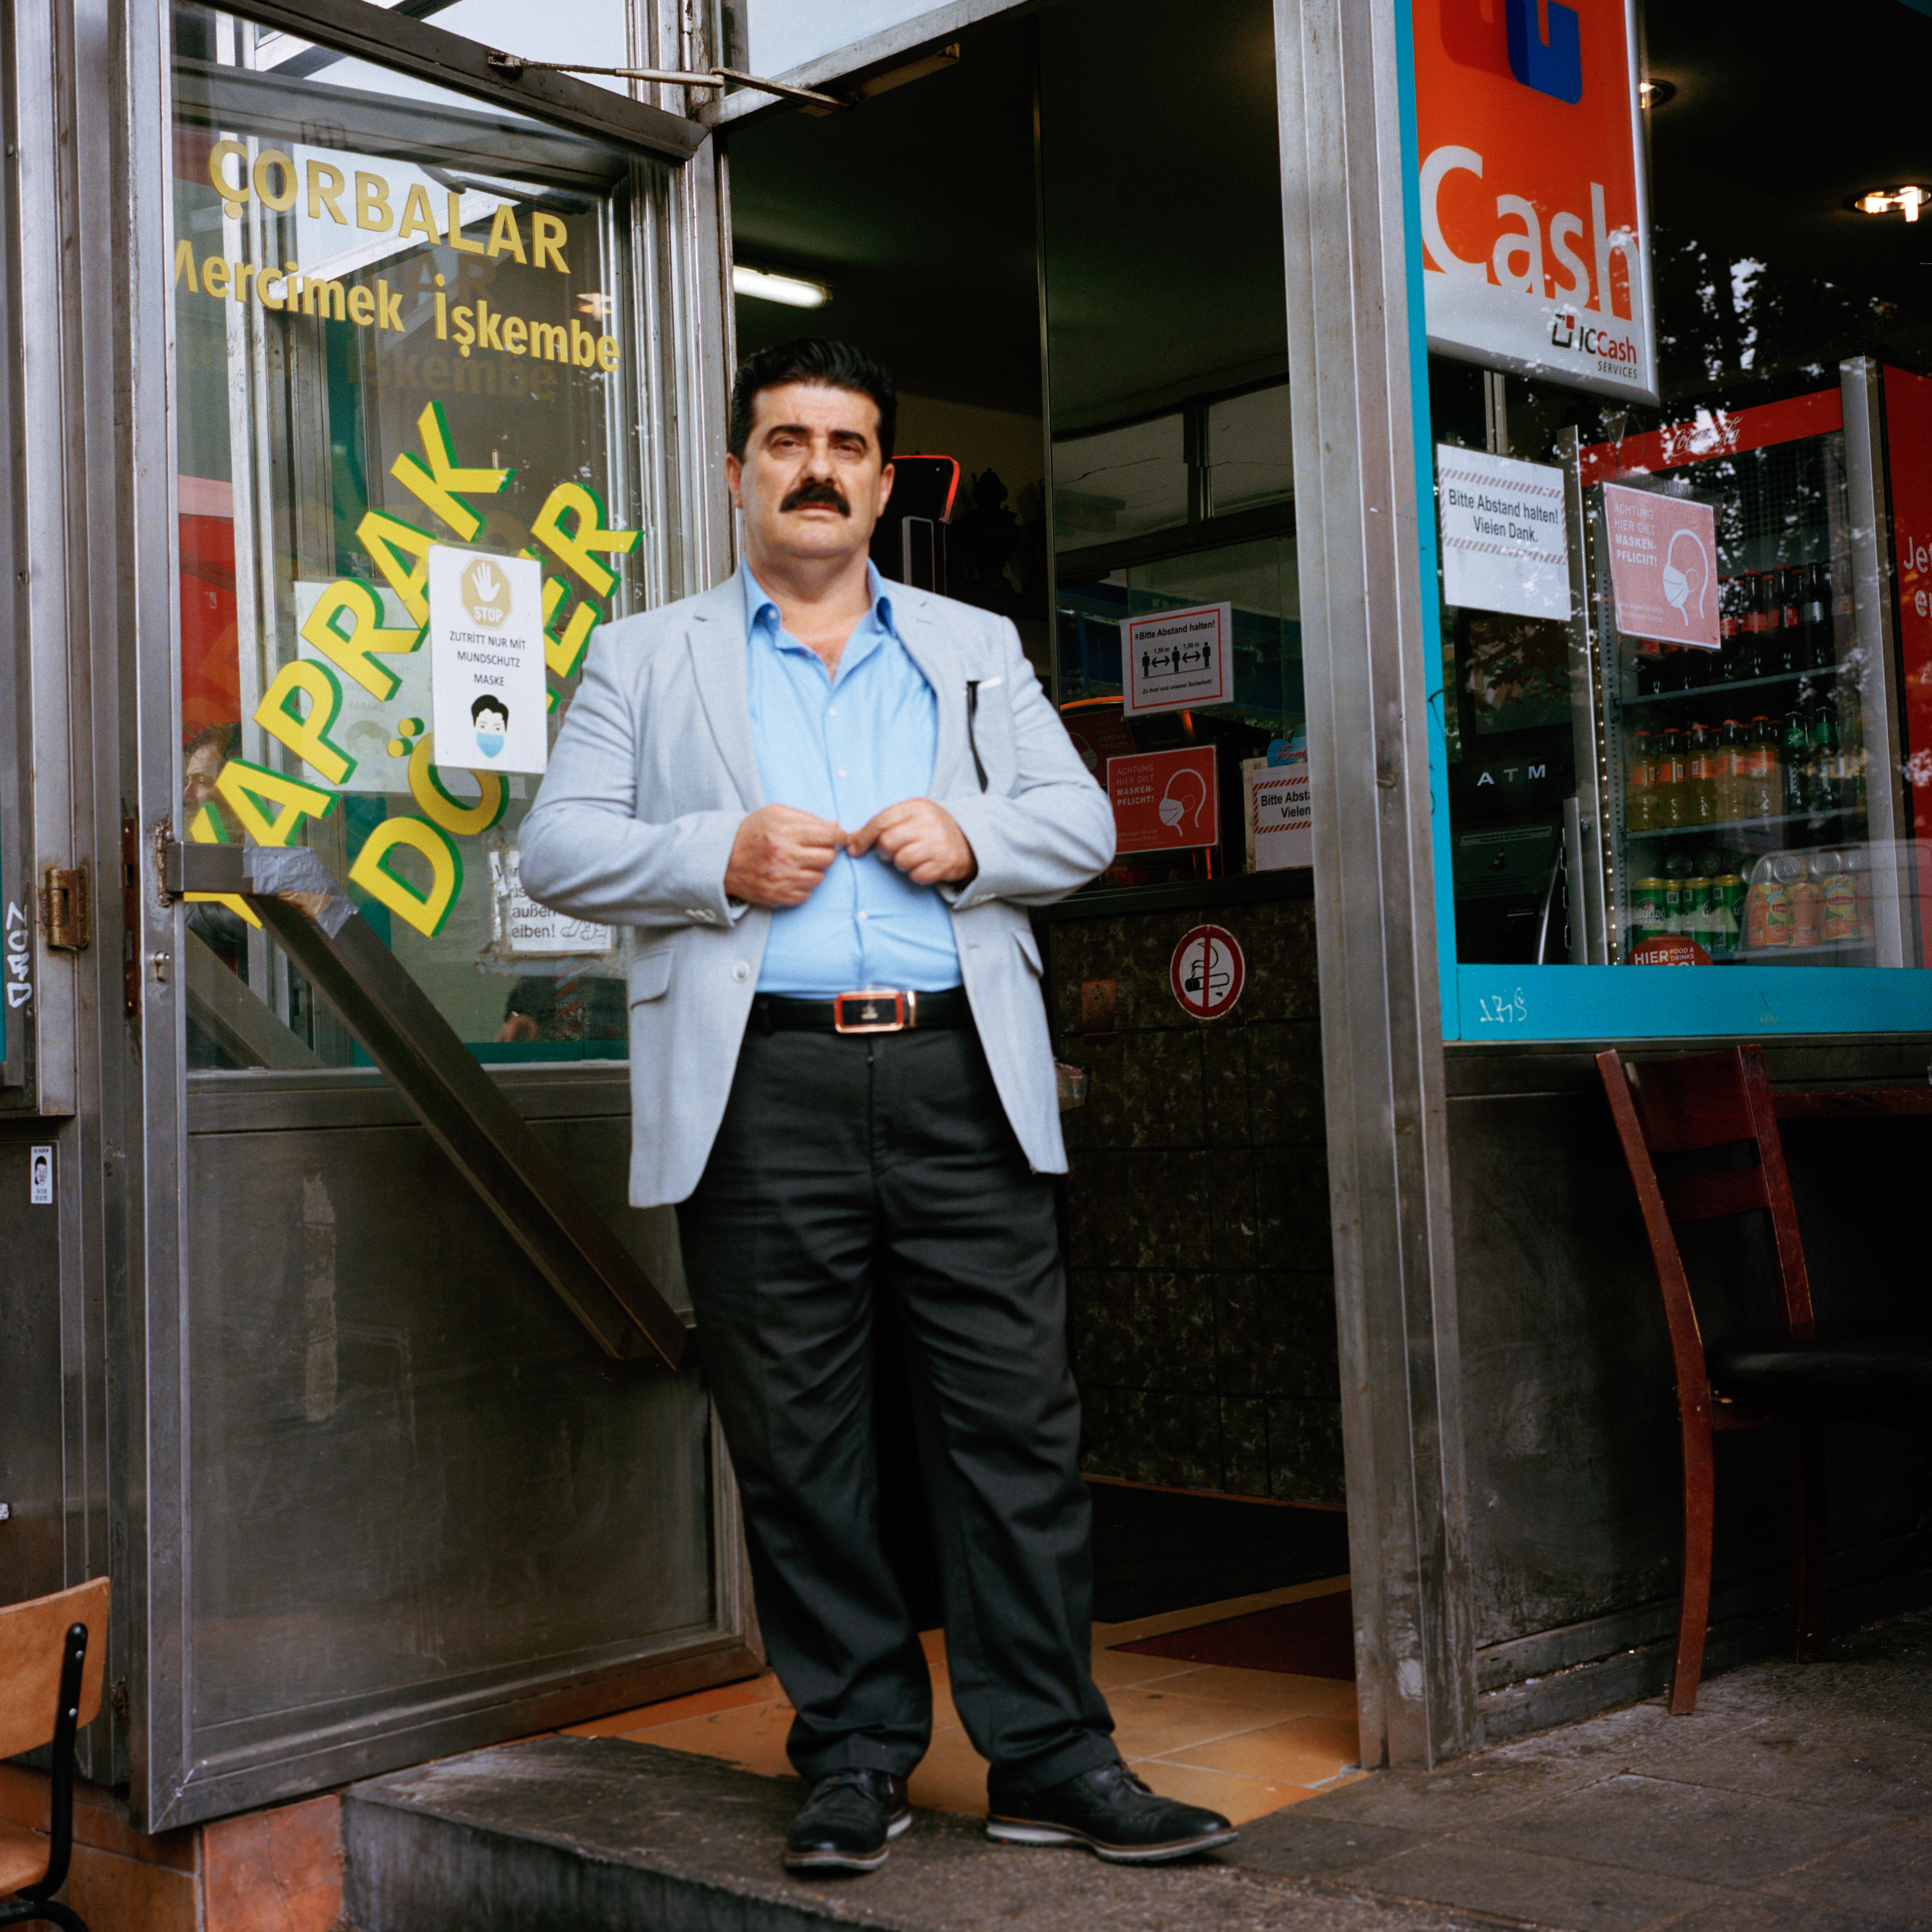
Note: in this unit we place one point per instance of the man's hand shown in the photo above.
(779, 854)
(923, 839)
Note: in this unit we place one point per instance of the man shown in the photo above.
(824, 803)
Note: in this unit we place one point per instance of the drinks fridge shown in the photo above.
(1748, 801)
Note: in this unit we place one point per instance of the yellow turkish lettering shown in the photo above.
(362, 307)
(547, 237)
(215, 276)
(318, 290)
(325, 191)
(455, 230)
(435, 486)
(373, 872)
(389, 540)
(504, 238)
(606, 354)
(232, 198)
(417, 219)
(185, 266)
(205, 829)
(372, 203)
(306, 735)
(244, 788)
(572, 547)
(563, 649)
(346, 627)
(244, 272)
(441, 807)
(284, 197)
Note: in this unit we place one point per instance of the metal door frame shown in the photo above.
(101, 510)
(1344, 95)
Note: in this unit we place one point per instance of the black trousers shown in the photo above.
(850, 1172)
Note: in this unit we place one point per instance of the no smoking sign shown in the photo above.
(1207, 972)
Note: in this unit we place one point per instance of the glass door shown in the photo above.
(433, 388)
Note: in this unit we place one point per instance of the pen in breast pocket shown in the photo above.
(972, 688)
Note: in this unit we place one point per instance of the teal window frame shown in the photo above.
(1503, 1004)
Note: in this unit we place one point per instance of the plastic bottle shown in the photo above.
(1733, 755)
(1766, 793)
(1671, 805)
(1827, 770)
(1700, 795)
(1797, 761)
(1640, 783)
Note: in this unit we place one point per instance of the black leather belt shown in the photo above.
(876, 1010)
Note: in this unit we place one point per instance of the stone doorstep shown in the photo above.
(568, 1833)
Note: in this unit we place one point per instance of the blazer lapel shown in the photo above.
(929, 647)
(715, 638)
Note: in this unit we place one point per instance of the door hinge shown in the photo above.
(66, 918)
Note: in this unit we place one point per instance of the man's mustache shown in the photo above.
(807, 494)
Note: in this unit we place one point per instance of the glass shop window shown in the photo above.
(1176, 608)
(1761, 796)
(406, 376)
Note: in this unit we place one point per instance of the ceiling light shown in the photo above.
(788, 289)
(1906, 201)
(1655, 93)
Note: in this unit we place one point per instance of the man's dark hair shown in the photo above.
(487, 702)
(824, 364)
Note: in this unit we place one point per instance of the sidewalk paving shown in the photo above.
(1794, 1799)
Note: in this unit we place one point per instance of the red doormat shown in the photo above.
(1313, 1638)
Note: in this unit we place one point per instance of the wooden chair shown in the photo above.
(52, 1651)
(1797, 1373)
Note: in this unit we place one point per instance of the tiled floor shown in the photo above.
(1246, 1742)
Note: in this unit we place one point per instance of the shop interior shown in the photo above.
(1090, 323)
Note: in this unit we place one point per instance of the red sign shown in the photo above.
(1535, 227)
(1663, 566)
(1668, 948)
(1207, 972)
(1165, 801)
(1099, 733)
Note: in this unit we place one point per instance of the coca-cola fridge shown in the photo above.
(1745, 798)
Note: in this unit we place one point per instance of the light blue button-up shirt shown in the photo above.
(844, 747)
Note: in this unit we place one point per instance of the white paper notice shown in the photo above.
(1281, 829)
(486, 645)
(1175, 659)
(530, 930)
(1505, 536)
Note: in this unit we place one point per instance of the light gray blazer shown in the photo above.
(654, 769)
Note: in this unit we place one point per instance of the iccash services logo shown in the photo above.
(1537, 43)
(486, 593)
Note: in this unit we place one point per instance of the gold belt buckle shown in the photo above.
(871, 1009)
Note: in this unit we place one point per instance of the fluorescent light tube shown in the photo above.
(788, 289)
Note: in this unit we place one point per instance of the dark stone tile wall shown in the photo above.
(1201, 1297)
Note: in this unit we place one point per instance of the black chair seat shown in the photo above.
(1880, 1371)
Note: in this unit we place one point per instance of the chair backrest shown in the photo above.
(1687, 1105)
(33, 1640)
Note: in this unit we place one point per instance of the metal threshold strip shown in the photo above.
(466, 1114)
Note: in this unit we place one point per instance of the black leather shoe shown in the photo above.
(1110, 1812)
(847, 1821)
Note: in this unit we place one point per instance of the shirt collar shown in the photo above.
(761, 612)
